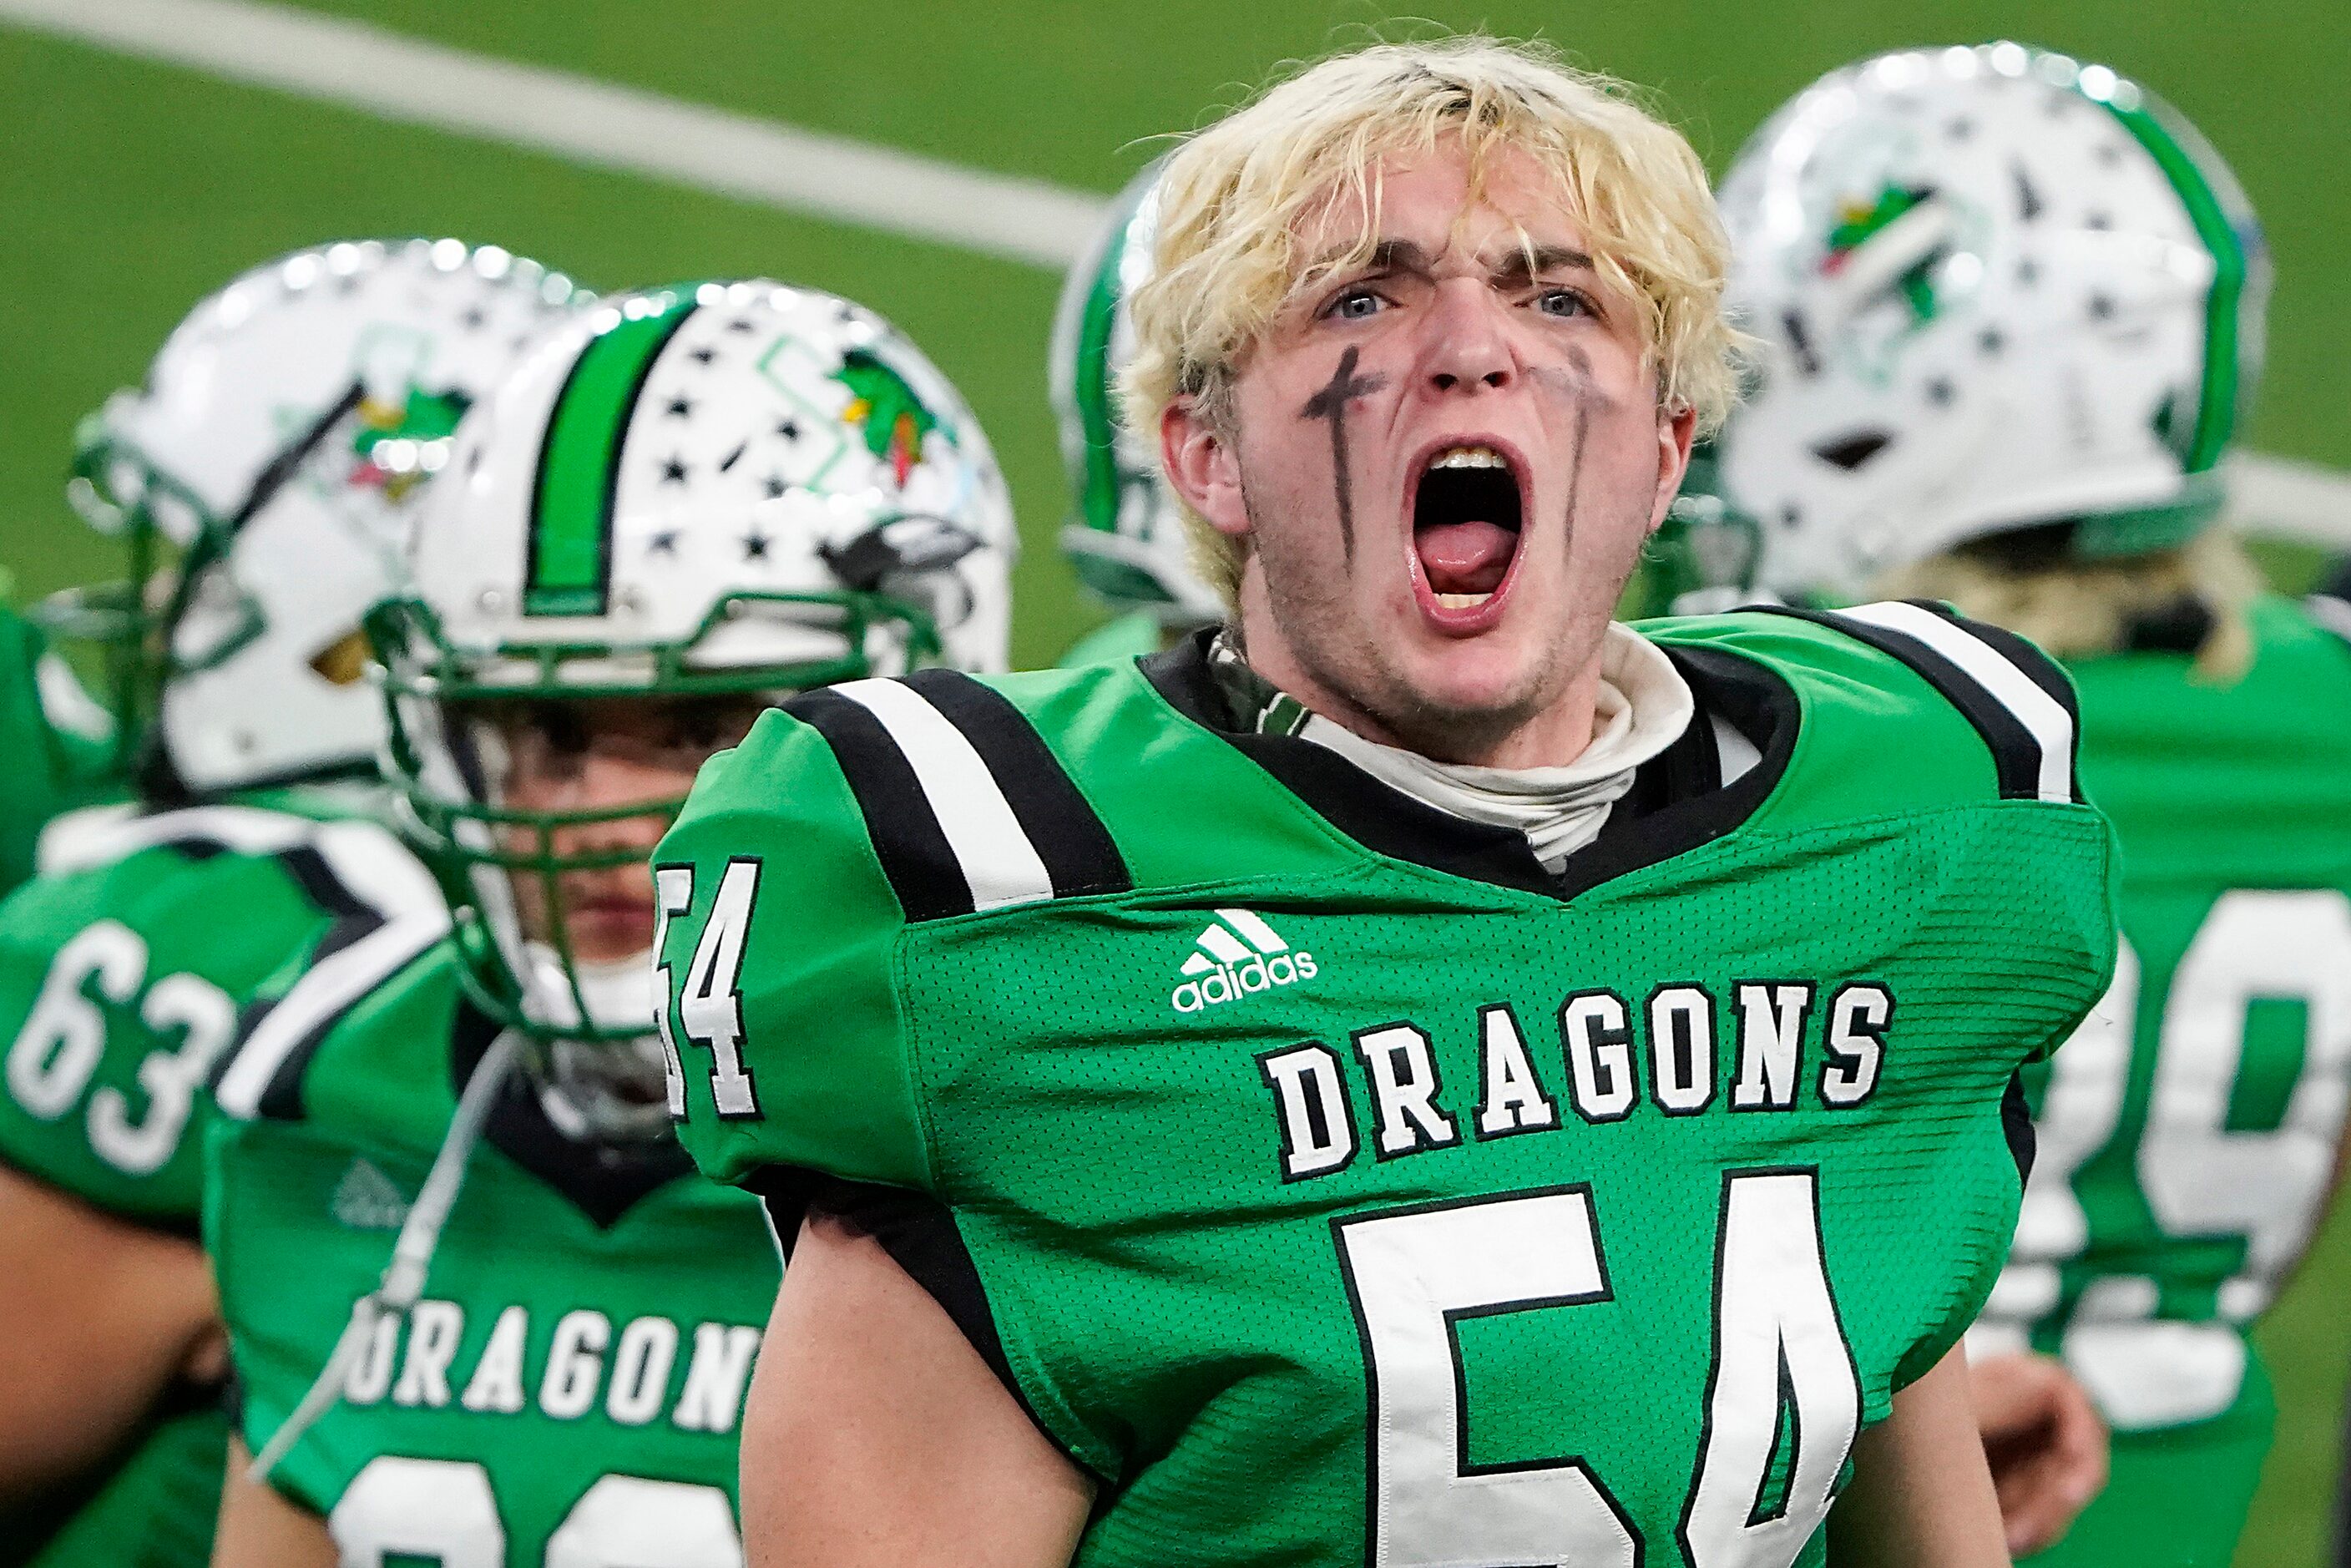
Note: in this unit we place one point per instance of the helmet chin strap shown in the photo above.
(617, 994)
(593, 1089)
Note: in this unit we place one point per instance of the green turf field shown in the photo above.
(128, 189)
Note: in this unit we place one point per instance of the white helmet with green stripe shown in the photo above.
(1126, 535)
(705, 491)
(1995, 289)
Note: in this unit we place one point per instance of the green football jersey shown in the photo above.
(127, 967)
(567, 1390)
(2188, 1135)
(58, 741)
(1335, 1184)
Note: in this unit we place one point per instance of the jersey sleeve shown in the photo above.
(107, 1051)
(781, 1016)
(144, 977)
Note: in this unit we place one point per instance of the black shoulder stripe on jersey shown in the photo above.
(281, 1097)
(920, 1235)
(323, 888)
(2016, 754)
(907, 839)
(2016, 1123)
(1068, 836)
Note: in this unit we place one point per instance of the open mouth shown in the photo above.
(1465, 517)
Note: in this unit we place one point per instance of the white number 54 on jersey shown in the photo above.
(1778, 1351)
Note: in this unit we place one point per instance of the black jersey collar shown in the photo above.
(1677, 800)
(603, 1180)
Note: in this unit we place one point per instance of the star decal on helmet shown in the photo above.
(885, 411)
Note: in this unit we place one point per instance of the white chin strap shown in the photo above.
(617, 995)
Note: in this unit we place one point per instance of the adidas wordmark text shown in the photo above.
(1237, 954)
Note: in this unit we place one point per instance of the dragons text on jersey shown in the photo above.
(1607, 1049)
(568, 1387)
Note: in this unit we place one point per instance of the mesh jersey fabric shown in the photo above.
(1803, 993)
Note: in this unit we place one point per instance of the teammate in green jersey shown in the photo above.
(2014, 312)
(1126, 535)
(273, 445)
(693, 502)
(60, 743)
(1425, 1074)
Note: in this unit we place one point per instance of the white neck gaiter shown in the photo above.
(1644, 706)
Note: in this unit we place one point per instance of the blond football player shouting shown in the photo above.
(1420, 1073)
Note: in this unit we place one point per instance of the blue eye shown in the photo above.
(1355, 305)
(1562, 302)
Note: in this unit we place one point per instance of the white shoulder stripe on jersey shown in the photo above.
(377, 871)
(2051, 727)
(98, 835)
(999, 863)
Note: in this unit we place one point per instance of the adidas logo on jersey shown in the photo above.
(1234, 957)
(366, 1200)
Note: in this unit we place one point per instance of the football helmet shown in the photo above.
(1125, 536)
(1995, 288)
(257, 481)
(712, 489)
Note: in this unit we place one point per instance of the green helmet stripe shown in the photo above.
(2225, 339)
(1099, 506)
(570, 561)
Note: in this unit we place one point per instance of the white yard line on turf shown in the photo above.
(357, 66)
(2287, 498)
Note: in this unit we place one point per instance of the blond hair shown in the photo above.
(1233, 199)
(2080, 609)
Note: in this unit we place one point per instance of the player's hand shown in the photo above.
(2045, 1442)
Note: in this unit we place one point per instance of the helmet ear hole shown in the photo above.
(1850, 452)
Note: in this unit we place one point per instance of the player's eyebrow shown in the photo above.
(1523, 264)
(1387, 256)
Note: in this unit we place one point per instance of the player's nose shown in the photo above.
(1465, 345)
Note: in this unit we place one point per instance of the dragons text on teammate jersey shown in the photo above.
(568, 1390)
(1581, 1301)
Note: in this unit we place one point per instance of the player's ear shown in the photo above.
(1203, 467)
(1676, 428)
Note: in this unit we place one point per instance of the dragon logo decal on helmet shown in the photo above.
(279, 436)
(1125, 536)
(713, 490)
(1995, 288)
